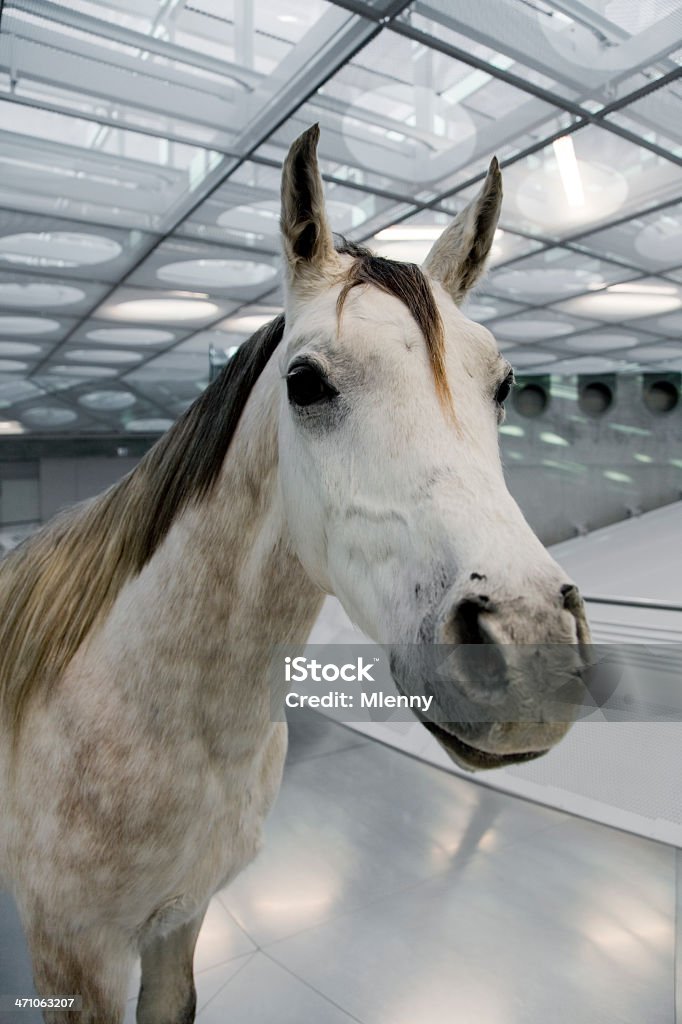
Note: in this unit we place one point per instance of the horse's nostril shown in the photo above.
(467, 622)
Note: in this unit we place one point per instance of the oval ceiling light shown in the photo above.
(39, 295)
(547, 281)
(479, 311)
(530, 358)
(130, 336)
(161, 310)
(212, 273)
(246, 324)
(660, 241)
(263, 218)
(12, 366)
(411, 233)
(596, 192)
(520, 329)
(82, 371)
(103, 355)
(588, 364)
(58, 249)
(48, 416)
(600, 342)
(149, 426)
(628, 302)
(645, 353)
(17, 391)
(107, 400)
(18, 348)
(11, 427)
(404, 252)
(27, 325)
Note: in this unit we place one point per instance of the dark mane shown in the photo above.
(407, 282)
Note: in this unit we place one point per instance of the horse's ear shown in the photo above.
(458, 258)
(309, 253)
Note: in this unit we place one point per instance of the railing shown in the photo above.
(634, 602)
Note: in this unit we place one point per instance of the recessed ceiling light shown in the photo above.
(660, 241)
(547, 281)
(82, 371)
(27, 325)
(160, 310)
(411, 233)
(11, 427)
(530, 358)
(262, 218)
(58, 249)
(646, 353)
(532, 329)
(550, 438)
(48, 416)
(599, 342)
(149, 426)
(18, 348)
(107, 400)
(246, 324)
(212, 273)
(642, 288)
(586, 364)
(617, 476)
(414, 251)
(479, 310)
(103, 355)
(130, 336)
(39, 294)
(12, 366)
(17, 390)
(618, 305)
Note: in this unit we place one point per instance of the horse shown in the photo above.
(349, 447)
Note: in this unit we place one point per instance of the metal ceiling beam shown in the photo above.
(63, 15)
(83, 72)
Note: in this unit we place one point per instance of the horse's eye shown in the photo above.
(306, 385)
(502, 393)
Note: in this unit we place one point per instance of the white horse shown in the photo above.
(347, 448)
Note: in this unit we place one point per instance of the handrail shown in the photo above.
(634, 602)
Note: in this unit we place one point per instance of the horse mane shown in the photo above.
(57, 584)
(60, 582)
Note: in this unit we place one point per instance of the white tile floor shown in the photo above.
(392, 893)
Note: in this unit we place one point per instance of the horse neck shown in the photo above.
(223, 589)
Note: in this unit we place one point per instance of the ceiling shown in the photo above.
(140, 147)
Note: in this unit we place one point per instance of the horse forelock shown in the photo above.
(58, 584)
(408, 283)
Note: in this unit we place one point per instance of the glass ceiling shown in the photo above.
(140, 146)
